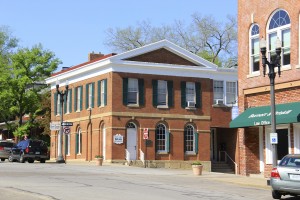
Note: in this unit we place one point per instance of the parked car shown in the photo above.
(29, 150)
(285, 178)
(5, 148)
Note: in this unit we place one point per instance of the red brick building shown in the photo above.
(178, 97)
(267, 19)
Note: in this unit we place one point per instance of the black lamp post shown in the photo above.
(275, 62)
(60, 158)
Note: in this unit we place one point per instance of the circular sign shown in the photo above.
(67, 130)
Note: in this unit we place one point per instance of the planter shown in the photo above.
(99, 161)
(197, 169)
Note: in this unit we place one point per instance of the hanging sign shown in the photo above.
(274, 138)
(118, 139)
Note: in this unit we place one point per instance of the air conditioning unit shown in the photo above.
(219, 101)
(191, 104)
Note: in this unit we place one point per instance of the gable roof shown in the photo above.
(178, 62)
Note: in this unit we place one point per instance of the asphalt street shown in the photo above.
(75, 181)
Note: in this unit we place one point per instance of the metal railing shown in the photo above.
(225, 159)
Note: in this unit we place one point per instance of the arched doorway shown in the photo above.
(131, 140)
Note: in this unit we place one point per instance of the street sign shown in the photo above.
(274, 138)
(145, 133)
(67, 123)
(67, 130)
(54, 126)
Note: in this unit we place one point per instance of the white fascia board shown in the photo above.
(169, 46)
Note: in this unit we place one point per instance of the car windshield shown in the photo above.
(290, 162)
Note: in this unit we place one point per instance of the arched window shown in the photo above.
(78, 145)
(131, 125)
(162, 138)
(279, 26)
(190, 139)
(254, 48)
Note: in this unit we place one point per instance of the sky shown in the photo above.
(73, 28)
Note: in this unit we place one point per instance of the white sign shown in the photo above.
(146, 134)
(273, 138)
(118, 139)
(234, 112)
(54, 126)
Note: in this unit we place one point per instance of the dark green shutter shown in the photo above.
(55, 103)
(141, 92)
(168, 141)
(93, 94)
(198, 95)
(154, 93)
(70, 100)
(125, 91)
(75, 99)
(170, 94)
(77, 143)
(105, 92)
(81, 97)
(87, 96)
(183, 94)
(196, 135)
(99, 93)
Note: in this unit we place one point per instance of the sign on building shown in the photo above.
(54, 126)
(145, 133)
(118, 139)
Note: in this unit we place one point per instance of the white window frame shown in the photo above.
(79, 91)
(254, 36)
(190, 92)
(193, 135)
(58, 107)
(165, 139)
(102, 92)
(133, 91)
(278, 32)
(162, 93)
(79, 141)
(230, 90)
(223, 84)
(68, 102)
(90, 88)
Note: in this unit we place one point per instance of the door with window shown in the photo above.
(132, 140)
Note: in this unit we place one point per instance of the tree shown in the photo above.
(204, 36)
(27, 70)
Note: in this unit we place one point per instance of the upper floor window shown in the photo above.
(254, 48)
(68, 102)
(78, 99)
(162, 93)
(89, 100)
(279, 26)
(190, 94)
(58, 107)
(133, 92)
(225, 92)
(102, 92)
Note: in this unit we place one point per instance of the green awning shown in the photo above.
(260, 116)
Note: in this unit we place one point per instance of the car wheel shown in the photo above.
(10, 159)
(30, 161)
(276, 194)
(42, 161)
(2, 159)
(22, 160)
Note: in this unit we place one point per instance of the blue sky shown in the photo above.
(73, 28)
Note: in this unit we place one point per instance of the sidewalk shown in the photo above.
(252, 181)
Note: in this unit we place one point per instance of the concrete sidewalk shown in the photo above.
(257, 181)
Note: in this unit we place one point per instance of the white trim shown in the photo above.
(261, 150)
(296, 138)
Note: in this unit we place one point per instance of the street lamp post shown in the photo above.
(275, 62)
(60, 158)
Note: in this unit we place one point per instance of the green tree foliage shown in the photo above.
(217, 41)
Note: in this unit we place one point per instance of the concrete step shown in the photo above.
(221, 167)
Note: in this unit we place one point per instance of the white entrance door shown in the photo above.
(131, 142)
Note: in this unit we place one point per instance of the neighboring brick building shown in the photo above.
(160, 87)
(268, 19)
